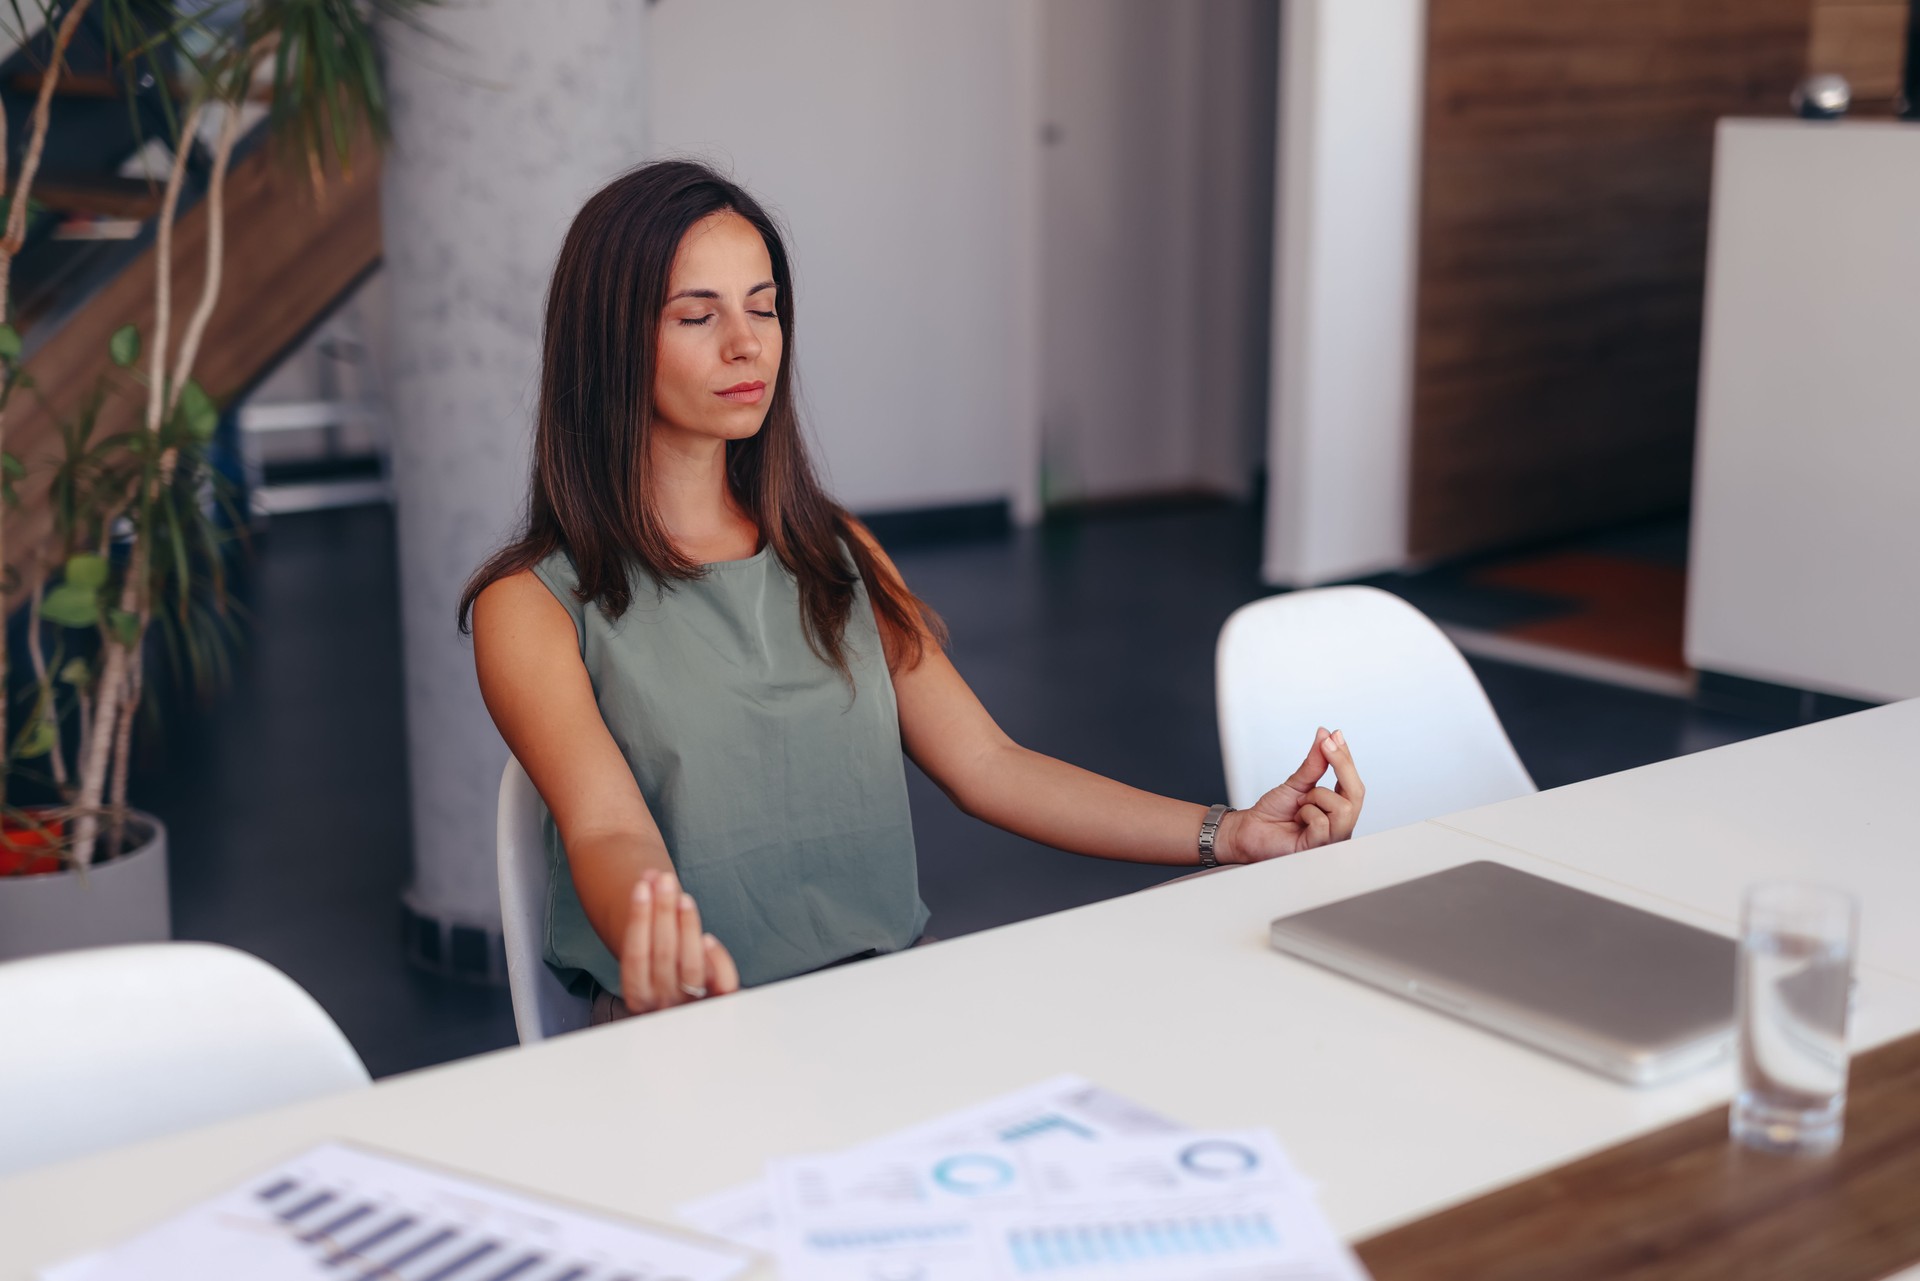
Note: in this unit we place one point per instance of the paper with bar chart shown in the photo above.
(351, 1214)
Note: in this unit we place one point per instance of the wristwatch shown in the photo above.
(1209, 829)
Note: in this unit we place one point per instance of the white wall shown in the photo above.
(1350, 115)
(1156, 186)
(894, 141)
(1805, 563)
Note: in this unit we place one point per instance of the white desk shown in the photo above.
(1171, 996)
(1837, 801)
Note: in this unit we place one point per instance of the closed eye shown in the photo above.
(770, 315)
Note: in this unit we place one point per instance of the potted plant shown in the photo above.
(138, 542)
(108, 500)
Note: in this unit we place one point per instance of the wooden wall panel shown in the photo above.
(1863, 40)
(1567, 162)
(289, 256)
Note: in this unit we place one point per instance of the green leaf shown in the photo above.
(11, 465)
(87, 570)
(197, 411)
(76, 672)
(9, 343)
(71, 605)
(124, 346)
(125, 626)
(36, 739)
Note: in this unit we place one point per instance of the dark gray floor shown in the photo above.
(286, 801)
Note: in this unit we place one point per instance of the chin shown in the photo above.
(740, 430)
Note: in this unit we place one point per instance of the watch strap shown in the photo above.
(1209, 832)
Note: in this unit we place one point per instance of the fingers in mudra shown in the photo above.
(691, 958)
(1341, 813)
(722, 977)
(665, 960)
(1346, 774)
(665, 957)
(1316, 828)
(636, 948)
(1328, 814)
(1301, 814)
(650, 954)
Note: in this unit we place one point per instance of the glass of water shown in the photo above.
(1796, 970)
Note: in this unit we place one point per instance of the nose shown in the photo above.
(740, 344)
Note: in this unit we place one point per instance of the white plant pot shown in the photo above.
(124, 901)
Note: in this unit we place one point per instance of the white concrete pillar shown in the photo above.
(502, 127)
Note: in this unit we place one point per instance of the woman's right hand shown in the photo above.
(664, 958)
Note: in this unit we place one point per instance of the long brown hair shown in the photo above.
(589, 491)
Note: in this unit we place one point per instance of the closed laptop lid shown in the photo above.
(1535, 959)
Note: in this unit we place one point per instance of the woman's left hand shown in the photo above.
(1299, 814)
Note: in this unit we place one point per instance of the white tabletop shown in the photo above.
(1172, 997)
(1837, 801)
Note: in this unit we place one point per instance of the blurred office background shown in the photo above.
(1113, 315)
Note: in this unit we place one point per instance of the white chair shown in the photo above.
(542, 1006)
(1360, 660)
(111, 1045)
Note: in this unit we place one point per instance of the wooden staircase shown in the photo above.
(294, 250)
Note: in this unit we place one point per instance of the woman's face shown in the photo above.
(720, 344)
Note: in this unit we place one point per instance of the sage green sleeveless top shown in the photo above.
(781, 793)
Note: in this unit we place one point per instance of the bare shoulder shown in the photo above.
(518, 609)
(510, 592)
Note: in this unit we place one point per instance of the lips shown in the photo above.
(747, 393)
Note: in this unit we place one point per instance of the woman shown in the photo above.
(710, 671)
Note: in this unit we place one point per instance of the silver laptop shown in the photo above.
(1637, 996)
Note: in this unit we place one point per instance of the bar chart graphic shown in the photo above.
(341, 1213)
(1104, 1245)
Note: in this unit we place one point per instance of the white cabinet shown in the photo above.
(1805, 565)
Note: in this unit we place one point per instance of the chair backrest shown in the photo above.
(110, 1045)
(542, 1006)
(1360, 660)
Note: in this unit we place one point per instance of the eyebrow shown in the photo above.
(712, 293)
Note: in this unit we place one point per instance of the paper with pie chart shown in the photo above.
(1064, 1109)
(1190, 1206)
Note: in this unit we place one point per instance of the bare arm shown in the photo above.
(951, 736)
(540, 697)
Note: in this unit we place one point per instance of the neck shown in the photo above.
(687, 480)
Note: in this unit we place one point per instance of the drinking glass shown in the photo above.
(1796, 968)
